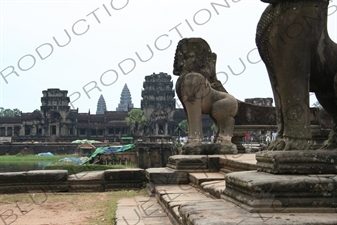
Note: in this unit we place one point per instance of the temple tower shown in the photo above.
(101, 106)
(54, 109)
(158, 102)
(125, 101)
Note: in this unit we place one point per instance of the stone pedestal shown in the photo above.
(264, 192)
(208, 149)
(297, 162)
(287, 181)
(194, 163)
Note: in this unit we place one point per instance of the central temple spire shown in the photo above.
(125, 101)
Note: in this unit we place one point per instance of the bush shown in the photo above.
(74, 168)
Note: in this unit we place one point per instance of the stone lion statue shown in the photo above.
(293, 42)
(201, 92)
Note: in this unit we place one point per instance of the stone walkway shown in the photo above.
(140, 210)
(196, 198)
(186, 204)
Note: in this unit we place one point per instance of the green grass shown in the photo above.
(31, 158)
(75, 168)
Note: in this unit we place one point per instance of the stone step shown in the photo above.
(166, 175)
(198, 178)
(171, 197)
(214, 188)
(186, 204)
(234, 163)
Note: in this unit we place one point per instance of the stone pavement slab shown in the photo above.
(140, 210)
(222, 212)
(171, 197)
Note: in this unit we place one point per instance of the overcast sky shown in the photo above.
(110, 47)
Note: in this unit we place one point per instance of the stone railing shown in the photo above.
(60, 181)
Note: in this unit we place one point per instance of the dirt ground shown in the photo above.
(64, 208)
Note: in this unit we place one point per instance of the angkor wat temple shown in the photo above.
(57, 122)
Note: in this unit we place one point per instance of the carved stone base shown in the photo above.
(208, 149)
(264, 192)
(298, 162)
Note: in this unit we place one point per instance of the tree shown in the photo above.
(214, 128)
(183, 125)
(135, 119)
(9, 112)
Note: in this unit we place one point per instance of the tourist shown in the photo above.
(267, 139)
(273, 135)
(247, 137)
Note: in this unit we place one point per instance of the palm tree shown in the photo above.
(183, 125)
(134, 120)
(9, 112)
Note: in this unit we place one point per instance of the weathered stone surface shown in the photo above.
(293, 73)
(171, 197)
(166, 176)
(47, 181)
(219, 212)
(9, 188)
(174, 189)
(13, 177)
(235, 163)
(86, 181)
(124, 174)
(215, 188)
(265, 192)
(185, 210)
(297, 162)
(124, 178)
(87, 176)
(208, 149)
(58, 181)
(198, 178)
(302, 64)
(34, 181)
(194, 163)
(47, 176)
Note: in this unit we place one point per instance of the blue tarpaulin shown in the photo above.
(71, 160)
(45, 154)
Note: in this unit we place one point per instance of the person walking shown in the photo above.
(267, 139)
(247, 138)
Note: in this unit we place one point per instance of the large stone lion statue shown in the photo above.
(293, 42)
(201, 92)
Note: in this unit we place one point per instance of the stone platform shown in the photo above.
(246, 197)
(212, 163)
(190, 205)
(209, 149)
(298, 162)
(287, 181)
(264, 192)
